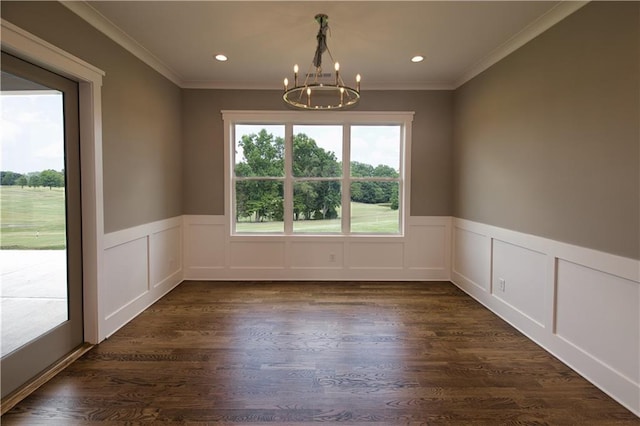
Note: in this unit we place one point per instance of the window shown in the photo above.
(259, 178)
(330, 174)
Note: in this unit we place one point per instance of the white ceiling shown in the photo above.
(264, 39)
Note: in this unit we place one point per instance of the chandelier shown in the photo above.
(320, 91)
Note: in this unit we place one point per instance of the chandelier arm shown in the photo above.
(306, 78)
(333, 61)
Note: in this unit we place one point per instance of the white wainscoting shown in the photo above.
(423, 253)
(141, 265)
(581, 305)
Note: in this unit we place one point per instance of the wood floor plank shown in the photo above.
(302, 352)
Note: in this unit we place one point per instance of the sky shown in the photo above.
(372, 145)
(32, 132)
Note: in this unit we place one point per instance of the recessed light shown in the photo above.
(220, 57)
(417, 58)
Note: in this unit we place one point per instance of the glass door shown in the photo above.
(40, 218)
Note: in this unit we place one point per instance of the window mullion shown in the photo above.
(405, 170)
(346, 179)
(288, 179)
(231, 175)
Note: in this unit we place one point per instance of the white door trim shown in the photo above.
(35, 50)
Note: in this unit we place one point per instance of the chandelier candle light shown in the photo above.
(316, 93)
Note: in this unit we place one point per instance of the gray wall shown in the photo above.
(546, 141)
(203, 143)
(142, 153)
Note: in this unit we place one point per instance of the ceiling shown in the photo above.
(264, 39)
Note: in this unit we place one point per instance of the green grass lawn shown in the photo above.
(365, 218)
(32, 218)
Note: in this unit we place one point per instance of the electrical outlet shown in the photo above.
(503, 284)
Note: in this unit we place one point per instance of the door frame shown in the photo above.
(25, 45)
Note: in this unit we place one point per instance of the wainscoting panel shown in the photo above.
(421, 254)
(375, 255)
(599, 313)
(428, 245)
(165, 249)
(206, 242)
(581, 305)
(141, 265)
(472, 258)
(256, 254)
(126, 274)
(316, 255)
(519, 279)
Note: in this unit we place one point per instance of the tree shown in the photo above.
(327, 200)
(304, 194)
(51, 178)
(310, 160)
(386, 188)
(371, 191)
(34, 179)
(262, 199)
(263, 157)
(395, 203)
(361, 169)
(9, 178)
(315, 199)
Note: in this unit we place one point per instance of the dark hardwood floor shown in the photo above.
(301, 352)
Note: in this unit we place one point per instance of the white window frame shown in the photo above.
(293, 118)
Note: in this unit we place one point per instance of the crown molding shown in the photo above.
(243, 85)
(228, 85)
(84, 10)
(531, 31)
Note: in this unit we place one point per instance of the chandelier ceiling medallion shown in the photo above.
(321, 91)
